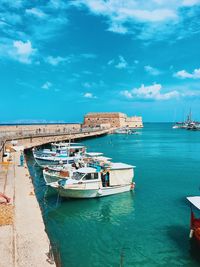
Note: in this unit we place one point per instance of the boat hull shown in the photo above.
(45, 162)
(93, 193)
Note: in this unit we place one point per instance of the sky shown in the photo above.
(61, 59)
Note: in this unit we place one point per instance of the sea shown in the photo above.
(148, 227)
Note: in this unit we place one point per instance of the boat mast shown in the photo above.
(190, 115)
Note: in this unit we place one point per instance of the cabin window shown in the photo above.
(91, 176)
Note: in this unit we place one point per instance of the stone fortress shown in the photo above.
(111, 119)
(98, 120)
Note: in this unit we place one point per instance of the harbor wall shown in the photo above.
(29, 142)
(20, 130)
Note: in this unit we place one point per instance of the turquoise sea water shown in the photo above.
(145, 228)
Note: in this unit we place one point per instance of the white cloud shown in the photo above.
(17, 19)
(23, 48)
(57, 4)
(118, 10)
(89, 95)
(190, 2)
(56, 60)
(156, 15)
(152, 92)
(127, 94)
(22, 51)
(184, 74)
(145, 19)
(122, 64)
(114, 27)
(151, 70)
(35, 12)
(47, 85)
(28, 20)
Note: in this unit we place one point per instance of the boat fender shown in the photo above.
(132, 186)
(191, 233)
(99, 191)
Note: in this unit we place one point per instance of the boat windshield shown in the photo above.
(78, 175)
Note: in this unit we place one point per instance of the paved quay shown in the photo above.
(24, 241)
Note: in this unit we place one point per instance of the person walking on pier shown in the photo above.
(21, 159)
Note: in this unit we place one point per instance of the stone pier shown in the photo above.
(24, 241)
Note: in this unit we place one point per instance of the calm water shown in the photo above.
(149, 227)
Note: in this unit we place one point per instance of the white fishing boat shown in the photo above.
(176, 127)
(53, 173)
(66, 156)
(126, 131)
(101, 181)
(56, 148)
(123, 131)
(63, 145)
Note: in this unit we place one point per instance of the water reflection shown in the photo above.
(107, 209)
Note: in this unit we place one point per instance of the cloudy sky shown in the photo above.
(60, 59)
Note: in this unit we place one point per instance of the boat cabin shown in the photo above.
(118, 174)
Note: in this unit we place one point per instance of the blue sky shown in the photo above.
(61, 59)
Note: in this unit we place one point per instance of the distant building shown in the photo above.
(111, 119)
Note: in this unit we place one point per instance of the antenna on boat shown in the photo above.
(190, 115)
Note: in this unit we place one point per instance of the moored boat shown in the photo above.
(194, 220)
(89, 182)
(57, 172)
(188, 124)
(126, 131)
(178, 125)
(65, 156)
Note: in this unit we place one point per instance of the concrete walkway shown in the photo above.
(23, 243)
